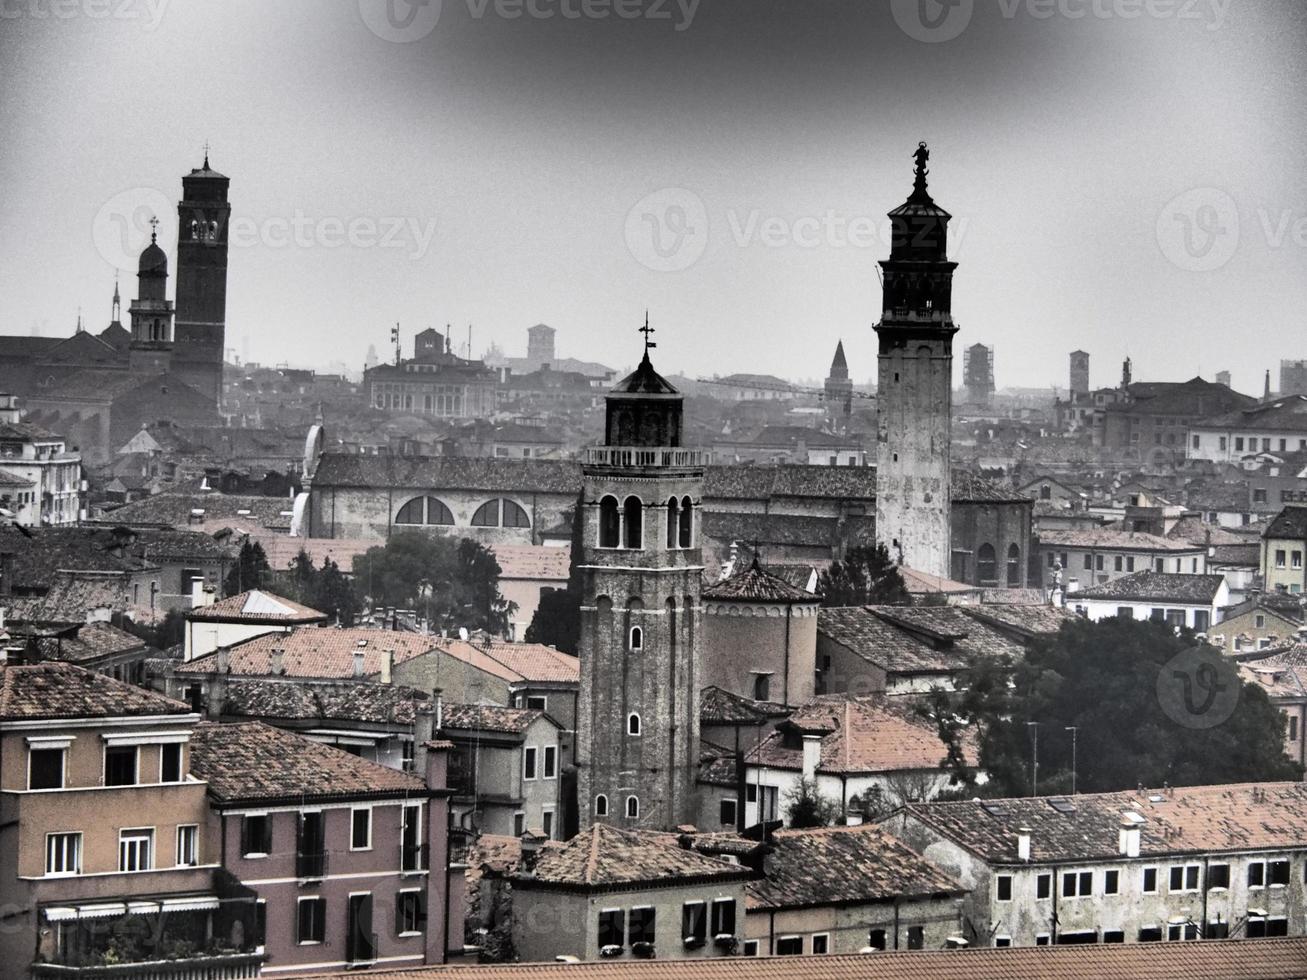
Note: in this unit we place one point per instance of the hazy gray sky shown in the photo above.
(1126, 176)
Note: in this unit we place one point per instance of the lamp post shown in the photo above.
(1033, 727)
(1073, 730)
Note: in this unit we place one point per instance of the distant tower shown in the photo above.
(978, 374)
(1079, 373)
(539, 346)
(1266, 388)
(117, 319)
(1125, 374)
(1223, 378)
(203, 220)
(150, 350)
(637, 748)
(839, 388)
(915, 396)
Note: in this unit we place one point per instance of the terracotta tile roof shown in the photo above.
(969, 487)
(843, 866)
(1180, 820)
(1150, 586)
(248, 762)
(606, 858)
(1291, 522)
(438, 472)
(1237, 959)
(865, 735)
(312, 651)
(357, 701)
(39, 559)
(281, 549)
(1114, 540)
(1026, 621)
(1282, 604)
(913, 639)
(257, 605)
(535, 662)
(720, 707)
(494, 853)
(92, 642)
(717, 765)
(1287, 414)
(487, 718)
(70, 599)
(524, 561)
(160, 543)
(755, 585)
(174, 509)
(1283, 674)
(53, 689)
(918, 583)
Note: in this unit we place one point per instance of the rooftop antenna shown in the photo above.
(206, 154)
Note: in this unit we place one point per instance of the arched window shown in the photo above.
(633, 522)
(601, 805)
(687, 522)
(424, 510)
(487, 515)
(986, 565)
(610, 523)
(1013, 567)
(637, 638)
(514, 515)
(633, 808)
(673, 518)
(633, 724)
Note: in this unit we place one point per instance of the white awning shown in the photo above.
(195, 903)
(142, 908)
(103, 910)
(146, 738)
(60, 913)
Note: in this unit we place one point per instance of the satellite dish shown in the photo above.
(462, 633)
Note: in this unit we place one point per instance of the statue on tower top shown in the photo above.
(921, 155)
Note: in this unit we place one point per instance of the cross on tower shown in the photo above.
(206, 154)
(154, 228)
(647, 331)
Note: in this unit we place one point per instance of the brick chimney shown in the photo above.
(811, 755)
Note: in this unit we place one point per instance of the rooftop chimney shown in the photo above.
(358, 664)
(387, 666)
(1129, 837)
(811, 755)
(277, 659)
(1023, 843)
(223, 660)
(440, 708)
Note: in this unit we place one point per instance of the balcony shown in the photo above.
(645, 457)
(222, 966)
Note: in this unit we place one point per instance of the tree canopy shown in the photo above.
(453, 582)
(251, 570)
(326, 589)
(1148, 707)
(865, 576)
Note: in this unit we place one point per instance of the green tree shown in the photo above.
(251, 570)
(1133, 693)
(557, 621)
(805, 806)
(327, 589)
(454, 582)
(865, 576)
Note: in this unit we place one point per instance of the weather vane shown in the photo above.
(647, 331)
(154, 228)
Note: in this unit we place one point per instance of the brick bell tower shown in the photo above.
(203, 222)
(637, 751)
(915, 389)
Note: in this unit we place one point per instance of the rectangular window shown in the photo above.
(63, 854)
(728, 811)
(612, 928)
(135, 849)
(723, 917)
(641, 925)
(1130, 563)
(256, 835)
(529, 762)
(1089, 562)
(1125, 612)
(1257, 874)
(1295, 559)
(1277, 872)
(547, 822)
(1150, 934)
(789, 946)
(120, 765)
(1184, 878)
(1098, 563)
(1003, 888)
(45, 769)
(310, 920)
(551, 762)
(1043, 886)
(360, 829)
(694, 923)
(876, 939)
(1280, 558)
(1149, 886)
(188, 845)
(1077, 884)
(916, 937)
(751, 947)
(519, 824)
(170, 762)
(1238, 443)
(536, 702)
(1218, 876)
(1111, 882)
(821, 944)
(1113, 936)
(410, 916)
(1118, 563)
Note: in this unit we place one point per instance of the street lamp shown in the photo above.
(1073, 730)
(1033, 727)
